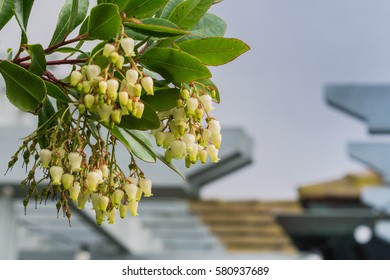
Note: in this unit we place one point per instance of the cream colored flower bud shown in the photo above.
(193, 153)
(139, 110)
(127, 45)
(160, 137)
(89, 100)
(56, 174)
(206, 136)
(123, 98)
(92, 72)
(103, 202)
(74, 191)
(105, 113)
(132, 76)
(117, 197)
(169, 138)
(116, 116)
(179, 116)
(75, 78)
(207, 102)
(123, 211)
(216, 139)
(102, 87)
(185, 94)
(137, 90)
(147, 83)
(213, 152)
(111, 216)
(112, 88)
(95, 200)
(119, 62)
(131, 191)
(114, 57)
(203, 155)
(45, 157)
(214, 126)
(178, 149)
(86, 86)
(105, 170)
(92, 180)
(75, 160)
(108, 50)
(199, 113)
(67, 181)
(133, 207)
(139, 194)
(82, 199)
(192, 105)
(146, 186)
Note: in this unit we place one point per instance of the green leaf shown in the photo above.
(120, 3)
(104, 22)
(22, 10)
(187, 14)
(25, 90)
(141, 136)
(143, 8)
(210, 25)
(162, 100)
(45, 116)
(214, 50)
(174, 65)
(170, 164)
(72, 14)
(155, 30)
(133, 144)
(5, 12)
(57, 93)
(167, 10)
(149, 120)
(38, 59)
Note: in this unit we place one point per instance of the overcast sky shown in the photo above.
(275, 91)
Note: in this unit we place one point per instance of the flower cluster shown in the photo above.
(188, 131)
(115, 91)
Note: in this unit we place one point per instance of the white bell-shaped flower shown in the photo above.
(92, 180)
(75, 160)
(147, 83)
(207, 102)
(117, 197)
(103, 202)
(178, 149)
(132, 76)
(108, 50)
(105, 113)
(67, 181)
(146, 186)
(214, 126)
(92, 72)
(133, 207)
(45, 157)
(56, 174)
(192, 105)
(131, 191)
(75, 78)
(127, 45)
(74, 191)
(213, 152)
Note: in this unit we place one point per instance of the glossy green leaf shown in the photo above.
(24, 89)
(141, 146)
(155, 30)
(133, 144)
(5, 12)
(143, 8)
(57, 93)
(174, 65)
(209, 25)
(22, 10)
(72, 14)
(38, 59)
(187, 14)
(149, 120)
(170, 164)
(162, 100)
(214, 50)
(141, 136)
(104, 22)
(169, 7)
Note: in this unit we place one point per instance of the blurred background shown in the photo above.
(286, 149)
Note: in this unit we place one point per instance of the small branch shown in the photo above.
(66, 61)
(56, 46)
